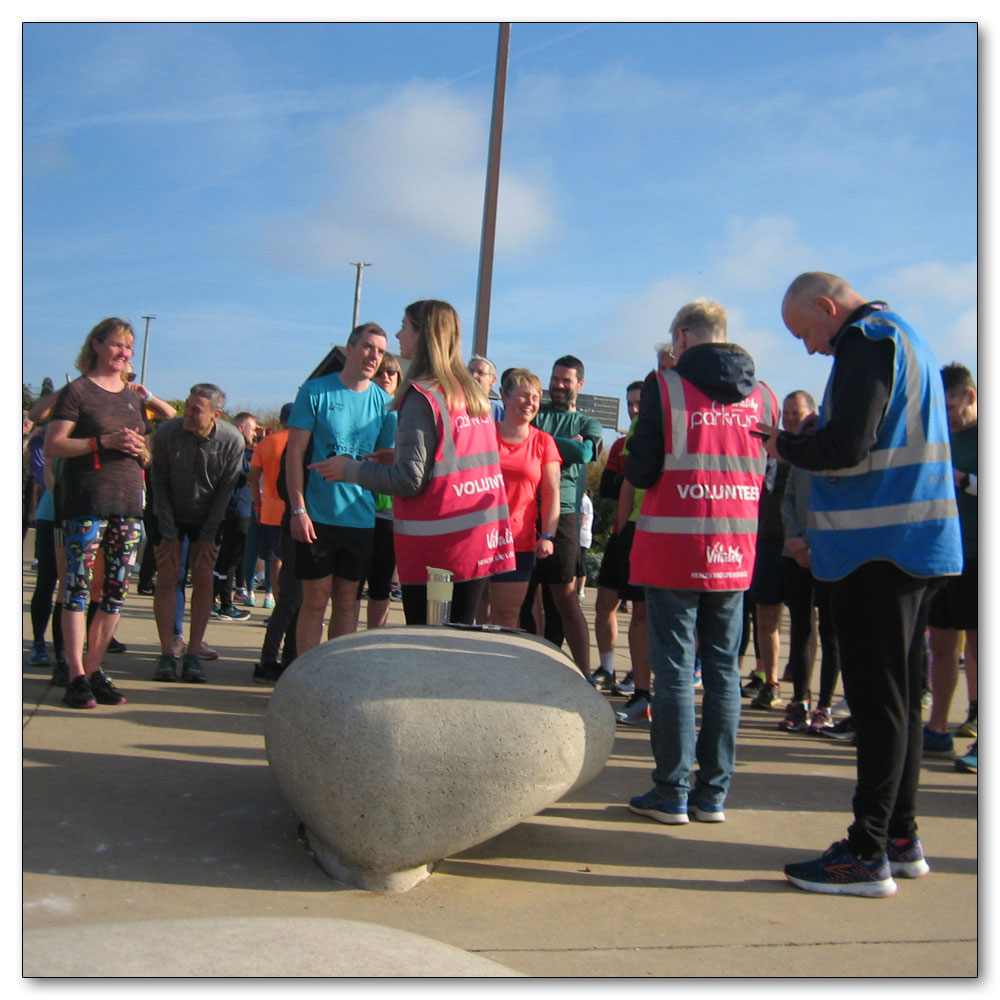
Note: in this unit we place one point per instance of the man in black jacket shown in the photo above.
(694, 552)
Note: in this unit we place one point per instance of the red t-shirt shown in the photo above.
(521, 465)
(616, 460)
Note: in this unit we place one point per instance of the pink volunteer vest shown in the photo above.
(460, 521)
(697, 526)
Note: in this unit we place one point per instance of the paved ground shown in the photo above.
(164, 809)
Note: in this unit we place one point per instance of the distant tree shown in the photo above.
(47, 386)
(27, 396)
(269, 419)
(604, 510)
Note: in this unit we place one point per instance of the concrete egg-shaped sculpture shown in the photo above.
(398, 747)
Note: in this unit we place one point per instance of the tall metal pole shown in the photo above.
(490, 202)
(357, 290)
(145, 347)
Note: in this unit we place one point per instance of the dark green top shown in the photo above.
(965, 458)
(564, 425)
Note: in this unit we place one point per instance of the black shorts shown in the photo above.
(627, 591)
(560, 567)
(524, 563)
(342, 552)
(269, 542)
(383, 560)
(608, 574)
(956, 604)
(765, 587)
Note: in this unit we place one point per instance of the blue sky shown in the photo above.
(223, 176)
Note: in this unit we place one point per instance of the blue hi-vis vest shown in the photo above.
(898, 503)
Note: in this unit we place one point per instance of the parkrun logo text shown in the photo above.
(719, 553)
(733, 415)
(475, 486)
(718, 491)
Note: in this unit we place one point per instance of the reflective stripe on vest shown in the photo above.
(917, 449)
(679, 459)
(697, 525)
(447, 525)
(678, 456)
(881, 517)
(898, 503)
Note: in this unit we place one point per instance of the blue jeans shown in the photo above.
(179, 612)
(674, 617)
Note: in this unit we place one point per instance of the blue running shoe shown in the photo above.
(39, 655)
(602, 679)
(938, 744)
(166, 668)
(232, 614)
(625, 686)
(662, 810)
(840, 873)
(969, 762)
(906, 857)
(636, 710)
(707, 814)
(191, 670)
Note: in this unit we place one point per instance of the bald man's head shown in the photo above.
(816, 306)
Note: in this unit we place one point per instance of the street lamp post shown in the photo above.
(145, 346)
(490, 201)
(357, 290)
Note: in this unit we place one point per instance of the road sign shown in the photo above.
(604, 408)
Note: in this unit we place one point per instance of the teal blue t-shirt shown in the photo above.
(342, 422)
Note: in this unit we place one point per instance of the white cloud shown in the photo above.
(646, 317)
(615, 89)
(948, 284)
(939, 300)
(961, 341)
(759, 252)
(408, 177)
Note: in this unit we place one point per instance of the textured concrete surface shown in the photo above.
(286, 947)
(165, 809)
(362, 741)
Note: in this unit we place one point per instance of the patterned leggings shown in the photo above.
(119, 537)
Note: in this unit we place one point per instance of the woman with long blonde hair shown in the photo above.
(450, 510)
(431, 330)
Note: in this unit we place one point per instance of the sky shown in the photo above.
(223, 177)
